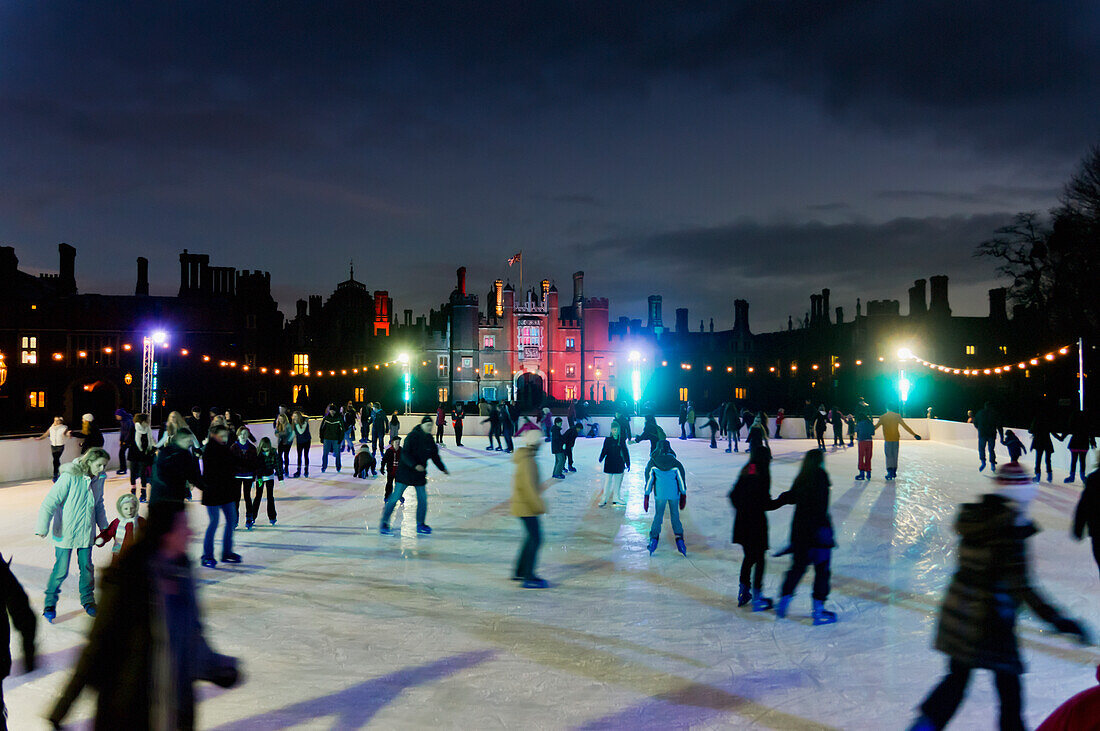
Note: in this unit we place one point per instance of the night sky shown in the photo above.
(704, 151)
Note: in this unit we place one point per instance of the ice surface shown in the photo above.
(339, 627)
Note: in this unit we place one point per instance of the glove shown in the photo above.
(683, 500)
(645, 503)
(917, 437)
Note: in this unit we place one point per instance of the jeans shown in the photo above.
(820, 558)
(421, 504)
(212, 511)
(349, 439)
(378, 440)
(61, 571)
(945, 698)
(244, 490)
(987, 444)
(890, 449)
(508, 445)
(1076, 457)
(1039, 458)
(528, 552)
(458, 433)
(753, 564)
(330, 445)
(559, 465)
(303, 450)
(56, 452)
(733, 436)
(866, 448)
(122, 449)
(611, 491)
(284, 457)
(673, 515)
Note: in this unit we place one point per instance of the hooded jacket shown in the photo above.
(978, 619)
(418, 448)
(73, 509)
(173, 468)
(615, 456)
(666, 486)
(751, 498)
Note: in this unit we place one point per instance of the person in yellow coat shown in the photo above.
(891, 439)
(528, 505)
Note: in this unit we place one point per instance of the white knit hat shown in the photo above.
(1014, 483)
(88, 417)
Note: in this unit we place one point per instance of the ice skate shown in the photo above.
(784, 603)
(385, 530)
(860, 475)
(680, 546)
(231, 558)
(423, 530)
(652, 545)
(761, 603)
(89, 609)
(821, 614)
(535, 583)
(209, 562)
(743, 595)
(50, 613)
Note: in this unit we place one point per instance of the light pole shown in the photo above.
(403, 359)
(149, 369)
(636, 378)
(904, 354)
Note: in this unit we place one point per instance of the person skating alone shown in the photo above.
(821, 423)
(72, 513)
(1080, 442)
(56, 434)
(412, 472)
(332, 435)
(508, 425)
(977, 623)
(757, 435)
(666, 480)
(364, 464)
(125, 438)
(494, 428)
(836, 418)
(302, 440)
(779, 417)
(528, 505)
(557, 448)
(1087, 514)
(220, 495)
(141, 454)
(714, 426)
(245, 469)
(891, 423)
(751, 499)
(615, 458)
(569, 438)
(1041, 442)
(440, 424)
(89, 435)
(731, 425)
(457, 416)
(987, 422)
(380, 428)
(269, 468)
(1014, 446)
(812, 540)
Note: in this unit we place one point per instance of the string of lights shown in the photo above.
(1023, 365)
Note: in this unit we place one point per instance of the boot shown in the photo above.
(652, 545)
(760, 603)
(743, 595)
(1050, 476)
(860, 475)
(821, 614)
(680, 545)
(781, 608)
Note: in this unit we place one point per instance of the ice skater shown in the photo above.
(651, 433)
(141, 454)
(821, 422)
(977, 625)
(666, 480)
(14, 602)
(1041, 442)
(220, 495)
(390, 460)
(714, 426)
(758, 433)
(70, 514)
(56, 435)
(1087, 514)
(891, 423)
(616, 459)
(269, 468)
(865, 438)
(812, 540)
(1080, 442)
(332, 437)
(837, 419)
(457, 415)
(245, 469)
(1014, 446)
(731, 425)
(440, 423)
(364, 463)
(528, 505)
(302, 440)
(751, 499)
(411, 472)
(987, 422)
(557, 448)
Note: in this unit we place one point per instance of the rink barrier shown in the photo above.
(24, 458)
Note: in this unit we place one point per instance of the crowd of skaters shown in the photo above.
(235, 466)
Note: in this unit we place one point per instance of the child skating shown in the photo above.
(390, 460)
(751, 499)
(123, 530)
(666, 480)
(269, 467)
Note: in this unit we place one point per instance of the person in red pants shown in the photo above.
(865, 435)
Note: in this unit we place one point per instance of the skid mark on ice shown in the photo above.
(355, 706)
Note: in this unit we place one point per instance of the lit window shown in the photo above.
(37, 399)
(739, 393)
(683, 394)
(301, 364)
(442, 395)
(570, 343)
(489, 341)
(300, 392)
(970, 350)
(571, 392)
(530, 335)
(358, 393)
(30, 351)
(1003, 349)
(570, 371)
(489, 369)
(443, 363)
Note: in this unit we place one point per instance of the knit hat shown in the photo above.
(425, 420)
(532, 438)
(88, 417)
(1014, 483)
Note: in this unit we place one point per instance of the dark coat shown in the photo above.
(172, 470)
(751, 498)
(418, 448)
(332, 428)
(811, 526)
(1087, 515)
(988, 422)
(245, 459)
(94, 438)
(1041, 430)
(615, 456)
(118, 660)
(557, 440)
(977, 624)
(218, 468)
(14, 603)
(756, 437)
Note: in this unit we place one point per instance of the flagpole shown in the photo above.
(521, 272)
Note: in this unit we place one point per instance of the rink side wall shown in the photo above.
(24, 458)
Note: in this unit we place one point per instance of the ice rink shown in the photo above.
(340, 627)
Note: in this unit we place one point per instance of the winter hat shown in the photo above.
(532, 438)
(425, 420)
(88, 417)
(1015, 484)
(123, 498)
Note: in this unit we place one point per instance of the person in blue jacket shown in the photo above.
(666, 480)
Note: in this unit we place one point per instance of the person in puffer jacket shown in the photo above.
(666, 480)
(71, 513)
(977, 625)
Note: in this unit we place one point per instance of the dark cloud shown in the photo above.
(998, 195)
